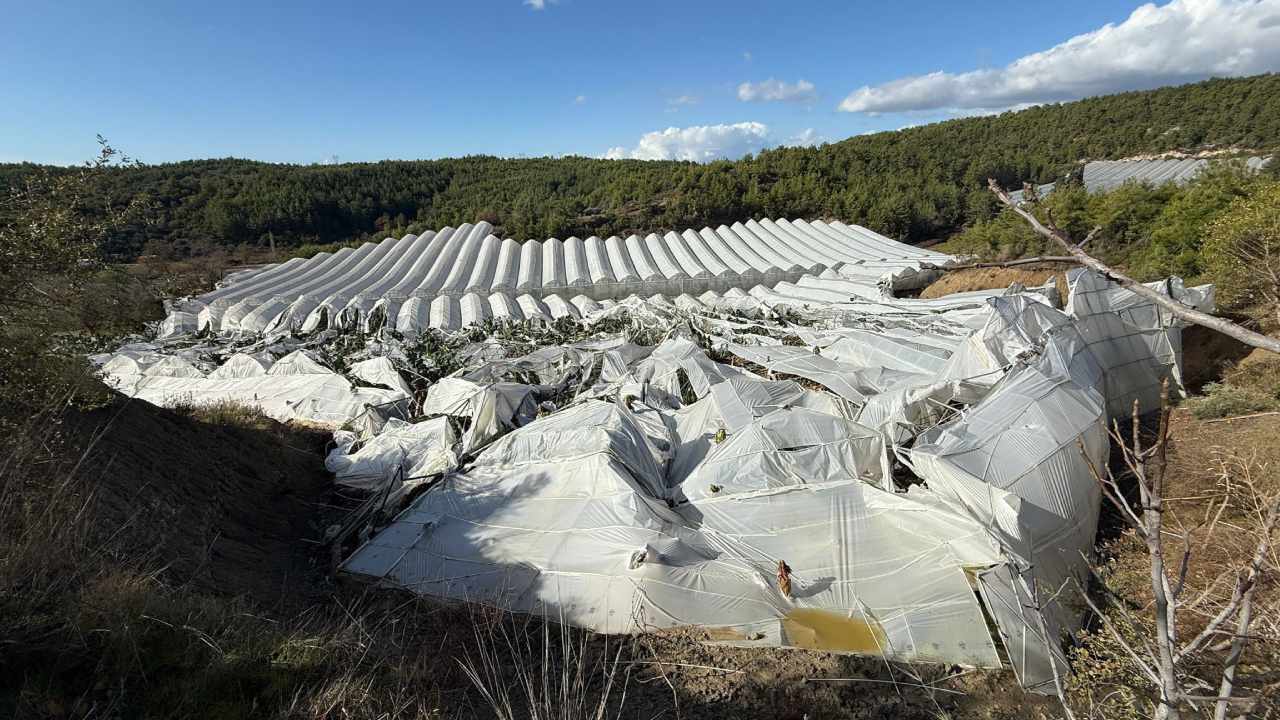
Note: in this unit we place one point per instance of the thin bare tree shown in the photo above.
(1174, 666)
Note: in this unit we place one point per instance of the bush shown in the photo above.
(1242, 250)
(1260, 371)
(1221, 401)
(1153, 231)
(55, 299)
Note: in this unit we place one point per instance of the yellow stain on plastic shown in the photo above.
(825, 630)
(724, 634)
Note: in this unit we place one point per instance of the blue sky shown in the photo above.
(308, 82)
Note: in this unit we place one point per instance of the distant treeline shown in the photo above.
(916, 184)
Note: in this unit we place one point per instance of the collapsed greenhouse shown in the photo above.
(752, 431)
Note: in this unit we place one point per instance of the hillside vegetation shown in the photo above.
(1152, 230)
(917, 183)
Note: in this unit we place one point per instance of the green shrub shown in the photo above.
(1242, 250)
(1221, 401)
(1152, 231)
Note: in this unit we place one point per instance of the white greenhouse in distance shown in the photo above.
(460, 276)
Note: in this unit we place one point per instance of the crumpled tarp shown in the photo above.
(675, 503)
(811, 464)
(295, 387)
(413, 450)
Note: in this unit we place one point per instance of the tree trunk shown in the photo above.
(1191, 315)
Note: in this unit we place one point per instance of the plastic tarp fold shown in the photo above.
(491, 408)
(1138, 343)
(1033, 649)
(415, 449)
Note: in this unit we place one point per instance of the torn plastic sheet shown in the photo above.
(492, 409)
(1138, 343)
(1032, 648)
(805, 363)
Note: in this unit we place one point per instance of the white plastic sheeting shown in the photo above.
(295, 387)
(1137, 342)
(416, 450)
(490, 409)
(570, 515)
(449, 279)
(675, 503)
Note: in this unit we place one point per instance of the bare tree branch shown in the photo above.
(1172, 666)
(1191, 315)
(1246, 612)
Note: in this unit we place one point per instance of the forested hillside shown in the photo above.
(916, 183)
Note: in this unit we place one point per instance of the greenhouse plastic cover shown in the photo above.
(651, 511)
(294, 387)
(1104, 175)
(666, 487)
(462, 276)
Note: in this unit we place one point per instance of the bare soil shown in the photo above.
(972, 279)
(226, 509)
(700, 680)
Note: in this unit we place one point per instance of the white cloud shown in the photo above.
(580, 100)
(1183, 41)
(703, 143)
(807, 138)
(674, 104)
(698, 142)
(540, 4)
(772, 90)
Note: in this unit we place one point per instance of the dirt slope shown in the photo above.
(995, 279)
(227, 508)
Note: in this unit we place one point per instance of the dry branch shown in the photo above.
(1077, 253)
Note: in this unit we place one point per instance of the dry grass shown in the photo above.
(92, 623)
(227, 413)
(996, 279)
(543, 671)
(1258, 371)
